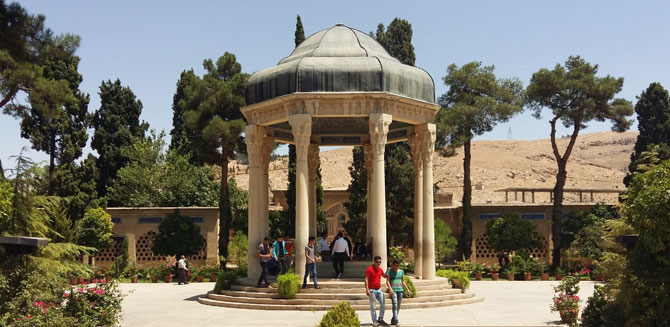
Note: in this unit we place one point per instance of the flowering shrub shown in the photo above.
(568, 307)
(98, 304)
(566, 301)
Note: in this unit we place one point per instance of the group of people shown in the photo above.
(340, 250)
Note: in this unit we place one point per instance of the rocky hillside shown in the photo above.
(598, 161)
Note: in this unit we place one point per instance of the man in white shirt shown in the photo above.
(181, 272)
(340, 252)
(324, 248)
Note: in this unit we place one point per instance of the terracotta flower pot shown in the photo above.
(510, 276)
(212, 278)
(133, 279)
(72, 281)
(478, 276)
(558, 276)
(199, 278)
(168, 278)
(494, 276)
(544, 276)
(108, 278)
(527, 276)
(457, 283)
(154, 279)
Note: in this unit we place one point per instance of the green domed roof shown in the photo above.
(340, 59)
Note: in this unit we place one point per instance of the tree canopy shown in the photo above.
(212, 114)
(116, 124)
(509, 233)
(575, 96)
(177, 235)
(475, 103)
(653, 116)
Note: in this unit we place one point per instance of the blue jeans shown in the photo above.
(396, 299)
(264, 273)
(376, 295)
(310, 268)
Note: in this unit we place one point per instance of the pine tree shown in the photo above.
(653, 115)
(475, 103)
(575, 96)
(116, 124)
(358, 195)
(57, 119)
(212, 114)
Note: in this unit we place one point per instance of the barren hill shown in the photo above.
(598, 160)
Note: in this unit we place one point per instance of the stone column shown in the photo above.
(253, 137)
(264, 214)
(302, 129)
(132, 247)
(367, 154)
(313, 162)
(415, 142)
(428, 132)
(379, 127)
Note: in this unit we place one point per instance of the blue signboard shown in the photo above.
(488, 216)
(533, 216)
(196, 219)
(116, 220)
(150, 220)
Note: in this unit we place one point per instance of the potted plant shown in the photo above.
(597, 273)
(511, 271)
(529, 266)
(109, 274)
(478, 269)
(165, 269)
(131, 272)
(542, 268)
(212, 271)
(559, 273)
(494, 271)
(153, 272)
(459, 279)
(199, 273)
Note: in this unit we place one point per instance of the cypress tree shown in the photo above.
(653, 116)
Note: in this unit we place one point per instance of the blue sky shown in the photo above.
(146, 44)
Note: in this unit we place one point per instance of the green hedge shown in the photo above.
(225, 280)
(341, 315)
(288, 285)
(410, 285)
(451, 275)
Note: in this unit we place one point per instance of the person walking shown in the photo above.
(395, 281)
(280, 254)
(310, 265)
(181, 272)
(264, 255)
(340, 253)
(373, 289)
(324, 248)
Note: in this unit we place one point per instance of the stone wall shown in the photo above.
(140, 225)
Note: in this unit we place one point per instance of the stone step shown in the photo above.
(470, 298)
(357, 283)
(332, 290)
(332, 301)
(340, 296)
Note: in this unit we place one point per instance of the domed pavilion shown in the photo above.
(341, 88)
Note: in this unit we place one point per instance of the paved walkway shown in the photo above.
(517, 303)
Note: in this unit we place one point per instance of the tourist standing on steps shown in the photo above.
(340, 253)
(280, 254)
(373, 289)
(310, 265)
(324, 248)
(181, 272)
(395, 281)
(264, 255)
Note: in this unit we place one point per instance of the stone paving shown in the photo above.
(515, 303)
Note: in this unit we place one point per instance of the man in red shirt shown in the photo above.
(373, 289)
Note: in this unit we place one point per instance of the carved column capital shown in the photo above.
(416, 147)
(379, 128)
(301, 126)
(427, 131)
(266, 151)
(313, 159)
(253, 137)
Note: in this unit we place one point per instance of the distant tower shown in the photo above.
(509, 132)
